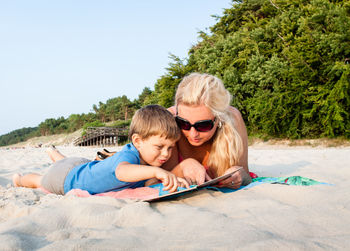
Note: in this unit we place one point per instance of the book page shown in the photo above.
(164, 196)
(218, 179)
(205, 184)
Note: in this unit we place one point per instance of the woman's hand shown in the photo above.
(237, 179)
(170, 181)
(194, 172)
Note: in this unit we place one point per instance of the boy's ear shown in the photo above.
(136, 140)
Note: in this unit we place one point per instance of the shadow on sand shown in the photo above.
(277, 170)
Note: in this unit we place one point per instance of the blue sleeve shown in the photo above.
(99, 176)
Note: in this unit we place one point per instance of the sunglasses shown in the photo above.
(200, 126)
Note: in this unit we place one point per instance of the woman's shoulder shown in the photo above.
(172, 109)
(236, 114)
(238, 119)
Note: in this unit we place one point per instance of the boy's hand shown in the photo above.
(170, 181)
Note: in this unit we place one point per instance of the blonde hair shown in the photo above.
(204, 89)
(153, 120)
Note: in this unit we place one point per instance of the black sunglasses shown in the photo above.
(200, 126)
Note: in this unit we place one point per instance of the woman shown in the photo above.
(214, 136)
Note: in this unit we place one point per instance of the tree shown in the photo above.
(119, 108)
(143, 98)
(165, 87)
(283, 62)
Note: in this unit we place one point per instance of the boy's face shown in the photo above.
(155, 150)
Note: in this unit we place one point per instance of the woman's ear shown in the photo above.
(136, 140)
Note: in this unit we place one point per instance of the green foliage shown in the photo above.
(96, 123)
(52, 126)
(144, 98)
(165, 87)
(18, 136)
(286, 63)
(119, 108)
(121, 123)
(76, 121)
(283, 62)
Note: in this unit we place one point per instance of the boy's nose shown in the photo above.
(165, 152)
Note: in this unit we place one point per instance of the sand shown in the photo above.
(265, 217)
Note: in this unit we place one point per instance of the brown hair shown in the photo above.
(153, 120)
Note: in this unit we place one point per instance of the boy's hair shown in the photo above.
(153, 120)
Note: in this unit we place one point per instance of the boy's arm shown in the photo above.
(151, 182)
(132, 173)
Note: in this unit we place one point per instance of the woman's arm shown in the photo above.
(242, 131)
(242, 177)
(192, 171)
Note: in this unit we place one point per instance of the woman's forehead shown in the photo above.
(197, 112)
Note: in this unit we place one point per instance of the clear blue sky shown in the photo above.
(61, 57)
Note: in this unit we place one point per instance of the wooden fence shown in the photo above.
(102, 136)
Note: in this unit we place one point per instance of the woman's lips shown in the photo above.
(195, 140)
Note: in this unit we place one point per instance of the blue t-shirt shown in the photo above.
(99, 176)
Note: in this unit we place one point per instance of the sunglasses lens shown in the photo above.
(184, 125)
(204, 126)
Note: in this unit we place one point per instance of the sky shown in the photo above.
(61, 57)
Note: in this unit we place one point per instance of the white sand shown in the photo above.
(265, 217)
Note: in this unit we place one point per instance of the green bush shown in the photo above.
(121, 123)
(284, 62)
(96, 123)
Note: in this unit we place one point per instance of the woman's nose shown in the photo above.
(193, 132)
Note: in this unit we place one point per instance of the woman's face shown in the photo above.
(194, 114)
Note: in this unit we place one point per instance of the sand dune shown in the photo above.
(265, 217)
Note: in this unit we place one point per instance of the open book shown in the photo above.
(194, 188)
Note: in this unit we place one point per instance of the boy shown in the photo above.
(153, 133)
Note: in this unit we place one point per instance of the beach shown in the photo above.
(263, 217)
